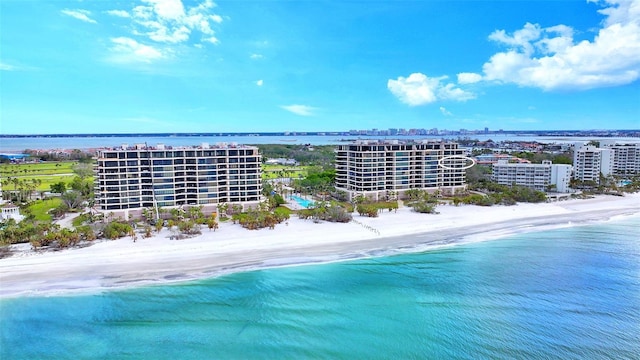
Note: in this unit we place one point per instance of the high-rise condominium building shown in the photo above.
(129, 179)
(626, 157)
(541, 177)
(377, 169)
(589, 162)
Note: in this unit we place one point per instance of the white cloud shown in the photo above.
(444, 111)
(419, 89)
(127, 50)
(118, 13)
(550, 59)
(256, 56)
(169, 21)
(216, 18)
(212, 39)
(82, 15)
(260, 82)
(469, 78)
(302, 110)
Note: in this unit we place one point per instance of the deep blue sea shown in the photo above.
(571, 293)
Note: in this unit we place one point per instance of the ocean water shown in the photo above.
(571, 293)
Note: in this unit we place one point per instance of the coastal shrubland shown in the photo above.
(421, 201)
(326, 211)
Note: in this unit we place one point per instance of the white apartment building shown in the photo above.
(129, 179)
(590, 161)
(376, 169)
(626, 157)
(534, 176)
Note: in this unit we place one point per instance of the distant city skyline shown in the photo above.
(164, 66)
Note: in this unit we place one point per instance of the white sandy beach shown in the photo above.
(123, 263)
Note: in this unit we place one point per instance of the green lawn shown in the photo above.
(47, 172)
(44, 168)
(40, 209)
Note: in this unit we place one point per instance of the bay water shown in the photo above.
(570, 293)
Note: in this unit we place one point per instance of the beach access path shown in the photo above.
(110, 264)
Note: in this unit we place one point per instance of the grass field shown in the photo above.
(40, 209)
(47, 172)
(278, 171)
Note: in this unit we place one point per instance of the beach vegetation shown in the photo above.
(497, 194)
(116, 229)
(212, 224)
(326, 211)
(421, 201)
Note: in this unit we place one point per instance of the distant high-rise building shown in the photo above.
(129, 179)
(486, 130)
(377, 168)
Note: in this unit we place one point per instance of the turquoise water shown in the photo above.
(302, 202)
(571, 293)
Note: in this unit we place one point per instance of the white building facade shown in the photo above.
(589, 162)
(626, 157)
(541, 177)
(376, 169)
(8, 210)
(129, 179)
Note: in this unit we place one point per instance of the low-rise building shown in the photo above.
(541, 177)
(9, 210)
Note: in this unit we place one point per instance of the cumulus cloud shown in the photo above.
(170, 22)
(550, 59)
(82, 15)
(260, 82)
(419, 89)
(302, 110)
(256, 56)
(444, 111)
(127, 50)
(118, 13)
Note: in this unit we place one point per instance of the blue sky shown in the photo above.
(200, 66)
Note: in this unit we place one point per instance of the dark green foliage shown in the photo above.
(317, 180)
(317, 155)
(259, 219)
(82, 185)
(504, 195)
(370, 210)
(116, 229)
(58, 187)
(332, 212)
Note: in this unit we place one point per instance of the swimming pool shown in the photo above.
(302, 202)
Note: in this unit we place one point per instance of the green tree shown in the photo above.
(59, 187)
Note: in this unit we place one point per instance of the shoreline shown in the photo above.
(119, 264)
